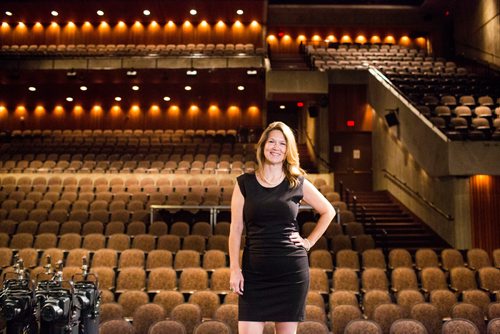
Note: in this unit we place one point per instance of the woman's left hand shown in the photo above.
(299, 241)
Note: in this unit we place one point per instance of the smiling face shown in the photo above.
(275, 147)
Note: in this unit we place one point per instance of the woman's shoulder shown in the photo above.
(245, 176)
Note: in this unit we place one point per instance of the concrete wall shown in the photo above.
(477, 30)
(416, 133)
(448, 194)
(135, 62)
(300, 82)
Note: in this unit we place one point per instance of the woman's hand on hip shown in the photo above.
(299, 241)
(236, 281)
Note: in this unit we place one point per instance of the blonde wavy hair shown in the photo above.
(291, 164)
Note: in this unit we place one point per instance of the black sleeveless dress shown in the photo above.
(275, 270)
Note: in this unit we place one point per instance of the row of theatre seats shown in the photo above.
(351, 287)
(466, 107)
(461, 110)
(390, 59)
(139, 133)
(93, 50)
(156, 325)
(161, 163)
(126, 152)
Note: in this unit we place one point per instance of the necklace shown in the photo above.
(262, 176)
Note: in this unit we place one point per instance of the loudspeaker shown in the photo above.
(313, 111)
(392, 119)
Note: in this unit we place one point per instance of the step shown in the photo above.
(402, 229)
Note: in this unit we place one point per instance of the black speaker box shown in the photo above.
(392, 119)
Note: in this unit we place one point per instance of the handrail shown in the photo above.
(415, 194)
(214, 210)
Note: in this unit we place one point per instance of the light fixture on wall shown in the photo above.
(131, 73)
(71, 73)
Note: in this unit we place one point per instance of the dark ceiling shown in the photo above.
(348, 2)
(31, 11)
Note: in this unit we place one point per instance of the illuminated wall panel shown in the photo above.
(152, 32)
(485, 211)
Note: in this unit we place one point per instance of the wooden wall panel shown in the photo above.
(485, 211)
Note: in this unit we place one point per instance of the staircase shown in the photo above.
(392, 224)
(289, 61)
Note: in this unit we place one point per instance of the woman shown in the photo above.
(274, 277)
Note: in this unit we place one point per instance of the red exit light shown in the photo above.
(300, 104)
(350, 123)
